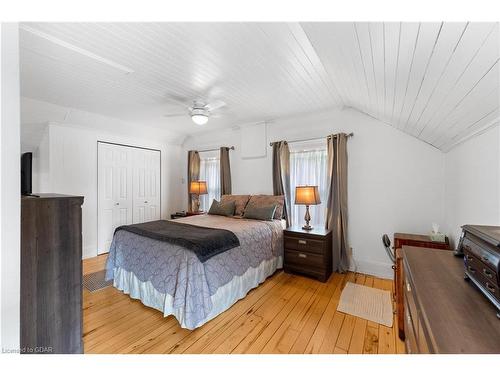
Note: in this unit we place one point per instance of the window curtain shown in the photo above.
(309, 167)
(193, 174)
(210, 172)
(336, 214)
(225, 171)
(281, 175)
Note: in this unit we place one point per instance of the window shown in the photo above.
(308, 166)
(210, 172)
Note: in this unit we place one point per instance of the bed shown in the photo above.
(171, 278)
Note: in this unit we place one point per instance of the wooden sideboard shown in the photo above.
(400, 240)
(443, 312)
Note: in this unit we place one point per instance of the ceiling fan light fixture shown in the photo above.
(199, 119)
(199, 116)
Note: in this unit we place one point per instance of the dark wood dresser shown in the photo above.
(51, 274)
(480, 246)
(308, 252)
(443, 312)
(417, 240)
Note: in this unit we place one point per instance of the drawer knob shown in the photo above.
(471, 270)
(490, 287)
(408, 287)
(469, 257)
(302, 242)
(302, 255)
(486, 259)
(487, 273)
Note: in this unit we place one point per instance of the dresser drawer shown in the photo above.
(303, 258)
(410, 336)
(304, 244)
(482, 272)
(423, 345)
(491, 287)
(410, 299)
(482, 252)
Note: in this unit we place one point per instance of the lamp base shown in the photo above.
(307, 218)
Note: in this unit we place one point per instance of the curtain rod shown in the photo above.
(310, 139)
(214, 149)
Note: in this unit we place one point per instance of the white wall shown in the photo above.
(473, 182)
(71, 154)
(10, 217)
(396, 182)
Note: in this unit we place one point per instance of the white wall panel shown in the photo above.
(10, 215)
(472, 183)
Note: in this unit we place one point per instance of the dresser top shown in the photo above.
(488, 233)
(39, 196)
(316, 231)
(459, 319)
(416, 237)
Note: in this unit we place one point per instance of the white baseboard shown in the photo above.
(89, 252)
(378, 269)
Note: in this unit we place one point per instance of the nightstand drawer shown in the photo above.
(317, 273)
(303, 258)
(305, 244)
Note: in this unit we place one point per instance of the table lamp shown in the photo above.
(307, 195)
(197, 188)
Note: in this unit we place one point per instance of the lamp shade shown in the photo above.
(307, 195)
(198, 187)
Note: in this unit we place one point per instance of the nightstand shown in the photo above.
(308, 252)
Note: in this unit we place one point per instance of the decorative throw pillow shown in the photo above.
(222, 209)
(240, 202)
(259, 212)
(269, 200)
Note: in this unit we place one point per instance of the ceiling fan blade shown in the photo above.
(178, 99)
(174, 114)
(213, 106)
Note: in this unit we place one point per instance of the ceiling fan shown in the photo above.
(199, 111)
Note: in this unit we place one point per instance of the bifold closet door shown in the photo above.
(115, 170)
(146, 186)
(128, 189)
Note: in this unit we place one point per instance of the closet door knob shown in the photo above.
(117, 204)
(145, 201)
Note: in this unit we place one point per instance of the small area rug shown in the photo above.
(367, 303)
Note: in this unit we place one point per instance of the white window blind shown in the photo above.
(210, 172)
(308, 166)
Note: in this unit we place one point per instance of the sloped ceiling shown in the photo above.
(438, 82)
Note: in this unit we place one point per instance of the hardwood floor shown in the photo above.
(286, 314)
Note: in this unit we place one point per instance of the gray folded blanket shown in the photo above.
(204, 242)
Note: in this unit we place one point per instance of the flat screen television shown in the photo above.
(26, 160)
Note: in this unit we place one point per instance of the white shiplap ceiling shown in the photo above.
(437, 81)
